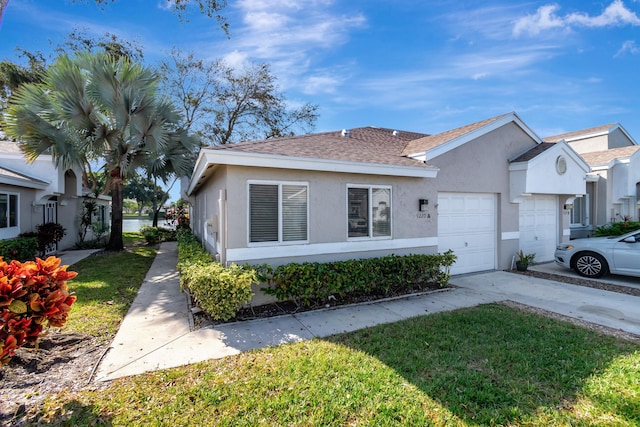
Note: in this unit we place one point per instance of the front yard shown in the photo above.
(489, 365)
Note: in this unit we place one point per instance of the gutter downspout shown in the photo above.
(222, 225)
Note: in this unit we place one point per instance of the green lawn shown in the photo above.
(106, 286)
(490, 365)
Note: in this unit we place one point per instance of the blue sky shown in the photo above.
(425, 66)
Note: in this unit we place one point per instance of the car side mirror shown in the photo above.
(631, 239)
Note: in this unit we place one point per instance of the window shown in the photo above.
(277, 212)
(8, 210)
(369, 211)
(580, 211)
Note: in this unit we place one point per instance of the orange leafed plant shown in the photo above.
(33, 295)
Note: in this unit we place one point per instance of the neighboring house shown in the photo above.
(484, 190)
(613, 186)
(35, 193)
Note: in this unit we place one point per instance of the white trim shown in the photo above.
(236, 158)
(476, 133)
(608, 131)
(290, 251)
(562, 148)
(9, 231)
(510, 235)
(370, 211)
(279, 184)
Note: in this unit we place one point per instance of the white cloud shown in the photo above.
(615, 14)
(629, 46)
(321, 84)
(546, 18)
(293, 36)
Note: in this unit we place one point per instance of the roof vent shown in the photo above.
(345, 132)
(395, 133)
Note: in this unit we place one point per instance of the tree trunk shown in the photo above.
(117, 202)
(156, 210)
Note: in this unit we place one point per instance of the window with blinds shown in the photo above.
(278, 212)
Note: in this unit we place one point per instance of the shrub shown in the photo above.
(21, 248)
(33, 295)
(155, 235)
(220, 291)
(49, 233)
(309, 282)
(46, 234)
(616, 229)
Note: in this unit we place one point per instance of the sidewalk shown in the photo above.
(156, 334)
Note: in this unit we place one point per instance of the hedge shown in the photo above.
(21, 248)
(390, 275)
(616, 229)
(155, 235)
(220, 291)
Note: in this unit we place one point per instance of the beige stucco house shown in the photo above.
(613, 186)
(484, 190)
(38, 192)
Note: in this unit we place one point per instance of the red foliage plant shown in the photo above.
(33, 295)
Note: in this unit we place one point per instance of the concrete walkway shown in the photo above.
(156, 332)
(71, 256)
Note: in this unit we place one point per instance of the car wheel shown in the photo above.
(589, 264)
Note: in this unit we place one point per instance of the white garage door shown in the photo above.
(467, 224)
(539, 226)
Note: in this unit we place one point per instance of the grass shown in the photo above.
(489, 365)
(106, 286)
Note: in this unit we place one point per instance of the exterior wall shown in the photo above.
(327, 210)
(618, 139)
(205, 207)
(482, 166)
(601, 214)
(589, 145)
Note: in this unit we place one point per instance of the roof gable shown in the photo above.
(436, 145)
(590, 133)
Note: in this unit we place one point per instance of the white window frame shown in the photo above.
(370, 189)
(585, 220)
(9, 231)
(280, 241)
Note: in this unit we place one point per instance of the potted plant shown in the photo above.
(523, 261)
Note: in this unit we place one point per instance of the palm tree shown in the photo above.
(98, 108)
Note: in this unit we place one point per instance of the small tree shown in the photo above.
(95, 107)
(224, 105)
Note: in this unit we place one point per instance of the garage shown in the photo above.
(539, 226)
(467, 225)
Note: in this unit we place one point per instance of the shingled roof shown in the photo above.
(362, 145)
(534, 152)
(432, 141)
(599, 158)
(580, 133)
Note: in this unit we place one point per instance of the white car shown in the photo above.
(595, 257)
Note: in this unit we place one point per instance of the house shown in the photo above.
(38, 192)
(484, 190)
(613, 185)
